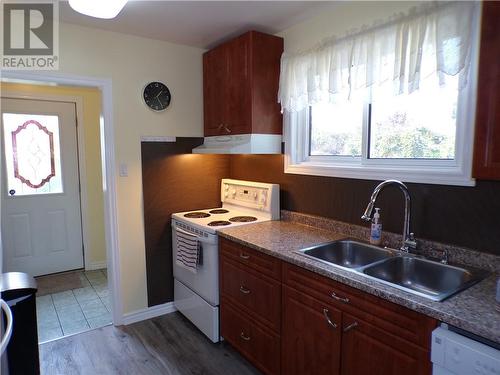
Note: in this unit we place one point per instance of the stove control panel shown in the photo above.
(255, 195)
(248, 194)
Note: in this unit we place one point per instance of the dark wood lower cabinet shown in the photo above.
(315, 325)
(258, 344)
(368, 350)
(311, 335)
(260, 296)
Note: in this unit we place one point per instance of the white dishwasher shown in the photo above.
(455, 354)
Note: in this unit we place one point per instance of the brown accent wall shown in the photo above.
(464, 216)
(174, 180)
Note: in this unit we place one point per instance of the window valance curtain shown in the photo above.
(430, 42)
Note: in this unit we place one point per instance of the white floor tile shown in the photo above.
(70, 314)
(64, 299)
(85, 294)
(100, 321)
(92, 309)
(74, 326)
(75, 311)
(47, 334)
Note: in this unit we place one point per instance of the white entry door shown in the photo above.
(41, 219)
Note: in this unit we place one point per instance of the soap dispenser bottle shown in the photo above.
(376, 229)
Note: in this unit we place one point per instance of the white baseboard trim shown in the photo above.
(96, 265)
(148, 313)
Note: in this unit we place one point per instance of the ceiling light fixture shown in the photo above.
(98, 8)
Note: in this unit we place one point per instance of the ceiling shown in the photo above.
(200, 23)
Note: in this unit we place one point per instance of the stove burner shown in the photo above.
(196, 215)
(242, 219)
(219, 211)
(217, 223)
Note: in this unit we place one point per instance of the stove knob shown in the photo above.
(233, 192)
(226, 187)
(255, 196)
(263, 197)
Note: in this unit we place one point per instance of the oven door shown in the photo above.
(205, 282)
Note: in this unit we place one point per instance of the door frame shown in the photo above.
(109, 175)
(82, 171)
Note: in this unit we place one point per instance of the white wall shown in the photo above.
(343, 17)
(131, 62)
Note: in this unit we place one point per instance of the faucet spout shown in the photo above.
(367, 215)
(408, 239)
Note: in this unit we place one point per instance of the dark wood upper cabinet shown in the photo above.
(240, 86)
(487, 137)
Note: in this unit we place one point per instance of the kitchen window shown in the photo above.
(353, 109)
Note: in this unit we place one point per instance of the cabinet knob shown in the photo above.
(244, 256)
(328, 320)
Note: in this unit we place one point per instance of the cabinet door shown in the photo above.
(487, 137)
(238, 99)
(214, 90)
(310, 335)
(367, 349)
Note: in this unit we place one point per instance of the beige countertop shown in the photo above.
(472, 310)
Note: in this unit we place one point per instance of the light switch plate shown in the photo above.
(123, 170)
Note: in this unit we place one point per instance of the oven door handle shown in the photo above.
(200, 239)
(8, 330)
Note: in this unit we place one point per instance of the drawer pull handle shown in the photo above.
(341, 299)
(350, 326)
(329, 321)
(244, 290)
(244, 337)
(244, 256)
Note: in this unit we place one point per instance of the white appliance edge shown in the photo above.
(196, 295)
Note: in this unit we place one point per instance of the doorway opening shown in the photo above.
(71, 301)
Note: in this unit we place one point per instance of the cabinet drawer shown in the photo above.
(259, 345)
(262, 263)
(254, 293)
(397, 320)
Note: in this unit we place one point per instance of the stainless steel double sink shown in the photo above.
(417, 275)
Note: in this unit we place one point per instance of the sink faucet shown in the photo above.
(409, 242)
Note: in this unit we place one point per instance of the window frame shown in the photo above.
(457, 171)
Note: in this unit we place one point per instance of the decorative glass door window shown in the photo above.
(32, 154)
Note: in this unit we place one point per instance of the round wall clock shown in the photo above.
(157, 96)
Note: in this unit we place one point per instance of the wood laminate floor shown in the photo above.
(169, 344)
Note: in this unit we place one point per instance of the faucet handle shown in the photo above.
(444, 256)
(411, 242)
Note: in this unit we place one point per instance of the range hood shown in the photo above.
(240, 144)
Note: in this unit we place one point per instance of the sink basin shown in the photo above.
(423, 277)
(420, 276)
(347, 253)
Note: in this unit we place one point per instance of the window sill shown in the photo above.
(439, 176)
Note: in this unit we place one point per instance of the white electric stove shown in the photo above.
(196, 291)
